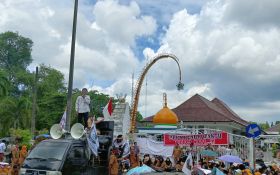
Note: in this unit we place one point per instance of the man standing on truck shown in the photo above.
(82, 107)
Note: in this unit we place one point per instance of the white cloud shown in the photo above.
(261, 112)
(103, 48)
(215, 48)
(122, 23)
(223, 50)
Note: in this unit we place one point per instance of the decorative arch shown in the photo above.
(140, 80)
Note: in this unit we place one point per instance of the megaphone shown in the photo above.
(77, 130)
(56, 131)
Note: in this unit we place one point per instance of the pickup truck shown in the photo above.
(62, 157)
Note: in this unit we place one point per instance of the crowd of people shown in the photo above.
(12, 157)
(121, 163)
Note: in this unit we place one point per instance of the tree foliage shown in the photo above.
(17, 83)
(15, 56)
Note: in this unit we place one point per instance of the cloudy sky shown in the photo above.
(227, 49)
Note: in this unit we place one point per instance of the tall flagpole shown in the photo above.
(71, 70)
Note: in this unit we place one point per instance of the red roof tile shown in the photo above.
(229, 112)
(199, 109)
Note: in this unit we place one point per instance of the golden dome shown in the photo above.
(165, 115)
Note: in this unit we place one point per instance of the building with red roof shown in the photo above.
(199, 112)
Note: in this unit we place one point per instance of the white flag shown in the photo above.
(62, 122)
(187, 168)
(93, 141)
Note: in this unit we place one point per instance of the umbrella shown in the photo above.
(230, 159)
(43, 135)
(139, 170)
(209, 153)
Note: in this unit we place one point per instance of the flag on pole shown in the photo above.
(93, 141)
(187, 168)
(108, 110)
(62, 122)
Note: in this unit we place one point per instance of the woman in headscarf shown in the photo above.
(133, 157)
(113, 163)
(179, 165)
(157, 163)
(147, 160)
(15, 159)
(22, 154)
(168, 165)
(177, 153)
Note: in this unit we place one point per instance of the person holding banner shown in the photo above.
(92, 139)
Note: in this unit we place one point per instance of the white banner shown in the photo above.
(152, 147)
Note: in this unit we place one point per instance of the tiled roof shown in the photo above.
(275, 128)
(199, 109)
(229, 112)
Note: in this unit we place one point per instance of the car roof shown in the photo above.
(71, 141)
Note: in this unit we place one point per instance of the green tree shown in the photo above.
(264, 126)
(4, 83)
(98, 102)
(50, 81)
(15, 51)
(15, 113)
(51, 108)
(15, 56)
(51, 95)
(139, 116)
(23, 136)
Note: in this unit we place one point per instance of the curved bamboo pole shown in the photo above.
(180, 85)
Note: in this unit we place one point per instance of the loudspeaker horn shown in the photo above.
(77, 130)
(56, 131)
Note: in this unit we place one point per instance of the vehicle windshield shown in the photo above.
(48, 150)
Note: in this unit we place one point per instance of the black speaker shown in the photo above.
(106, 128)
(105, 138)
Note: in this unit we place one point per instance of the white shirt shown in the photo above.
(2, 147)
(82, 104)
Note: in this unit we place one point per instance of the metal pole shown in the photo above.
(252, 153)
(34, 104)
(71, 70)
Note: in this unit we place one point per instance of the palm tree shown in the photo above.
(15, 113)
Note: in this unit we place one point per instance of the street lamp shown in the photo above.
(71, 69)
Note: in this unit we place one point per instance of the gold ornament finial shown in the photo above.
(164, 100)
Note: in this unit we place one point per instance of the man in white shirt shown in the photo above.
(2, 150)
(82, 107)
